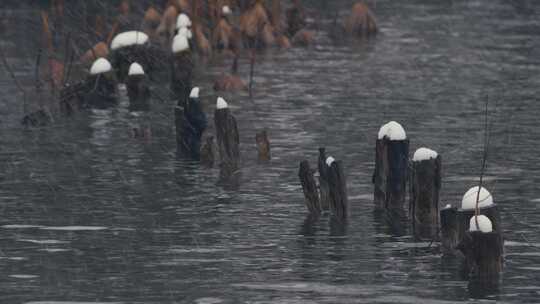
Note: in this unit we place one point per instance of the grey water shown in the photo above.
(89, 214)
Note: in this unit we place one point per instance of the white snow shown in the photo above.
(135, 69)
(101, 65)
(393, 131)
(484, 223)
(128, 39)
(226, 10)
(221, 103)
(469, 198)
(424, 154)
(180, 44)
(184, 31)
(330, 160)
(448, 206)
(183, 21)
(194, 92)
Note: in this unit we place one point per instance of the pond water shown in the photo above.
(90, 214)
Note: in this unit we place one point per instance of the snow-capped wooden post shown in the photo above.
(138, 89)
(323, 179)
(337, 186)
(391, 167)
(263, 145)
(228, 140)
(424, 192)
(101, 85)
(455, 221)
(181, 69)
(190, 122)
(309, 186)
(129, 47)
(482, 247)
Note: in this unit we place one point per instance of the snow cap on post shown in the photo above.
(484, 223)
(221, 103)
(100, 66)
(128, 39)
(330, 160)
(180, 44)
(424, 154)
(183, 21)
(469, 199)
(135, 69)
(226, 10)
(392, 131)
(184, 31)
(194, 92)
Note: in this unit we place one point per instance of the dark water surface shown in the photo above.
(89, 214)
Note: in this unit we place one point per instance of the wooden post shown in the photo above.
(391, 167)
(323, 179)
(228, 140)
(138, 89)
(190, 122)
(449, 228)
(483, 253)
(263, 145)
(424, 192)
(337, 185)
(207, 151)
(309, 187)
(182, 73)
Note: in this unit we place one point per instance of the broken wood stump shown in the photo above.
(323, 180)
(190, 123)
(309, 186)
(337, 185)
(263, 145)
(424, 192)
(228, 139)
(391, 167)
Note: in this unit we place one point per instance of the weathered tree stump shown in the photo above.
(138, 89)
(424, 192)
(228, 140)
(181, 70)
(101, 84)
(190, 122)
(337, 185)
(309, 186)
(263, 145)
(391, 167)
(483, 253)
(323, 180)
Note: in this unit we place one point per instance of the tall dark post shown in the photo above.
(263, 145)
(337, 185)
(391, 167)
(228, 140)
(424, 192)
(309, 186)
(181, 70)
(190, 122)
(323, 179)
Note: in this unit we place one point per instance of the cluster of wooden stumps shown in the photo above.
(394, 176)
(331, 194)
